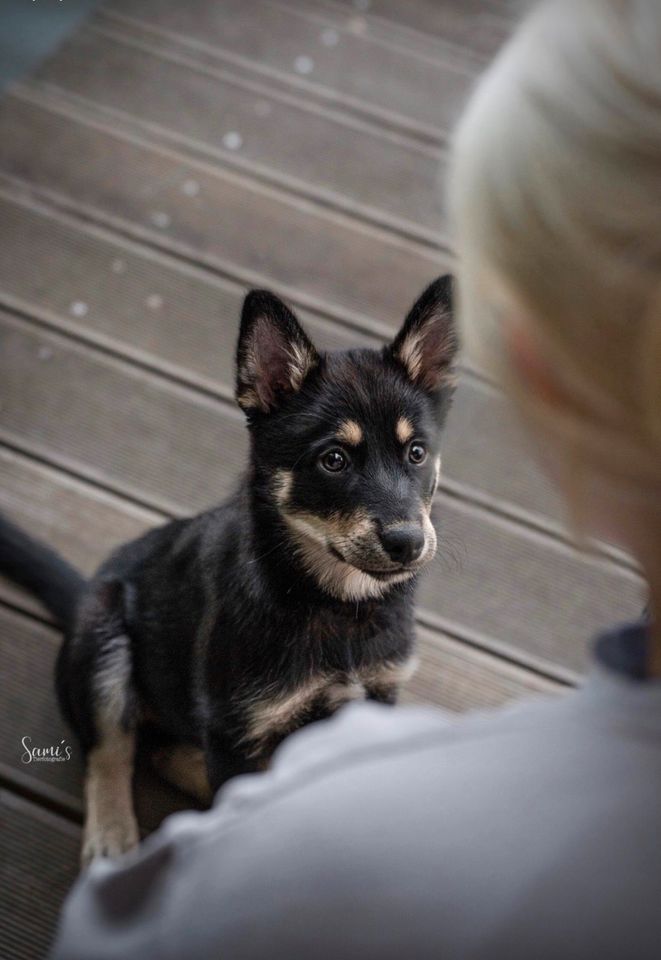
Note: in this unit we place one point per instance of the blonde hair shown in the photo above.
(555, 189)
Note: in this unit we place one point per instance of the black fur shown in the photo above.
(225, 611)
(40, 570)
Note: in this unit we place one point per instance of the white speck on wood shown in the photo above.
(232, 140)
(160, 219)
(190, 187)
(118, 266)
(358, 25)
(303, 64)
(78, 308)
(330, 38)
(44, 353)
(154, 301)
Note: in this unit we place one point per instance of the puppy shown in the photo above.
(227, 631)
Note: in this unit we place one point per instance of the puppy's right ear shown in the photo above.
(274, 354)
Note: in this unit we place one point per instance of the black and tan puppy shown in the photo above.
(229, 630)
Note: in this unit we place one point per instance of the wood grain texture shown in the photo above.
(360, 71)
(233, 224)
(155, 310)
(38, 864)
(324, 154)
(478, 26)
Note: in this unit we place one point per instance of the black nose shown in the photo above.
(404, 543)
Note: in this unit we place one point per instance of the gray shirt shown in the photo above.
(532, 832)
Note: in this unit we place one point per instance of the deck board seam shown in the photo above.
(329, 13)
(424, 132)
(69, 213)
(453, 48)
(190, 256)
(37, 94)
(452, 57)
(235, 79)
(154, 133)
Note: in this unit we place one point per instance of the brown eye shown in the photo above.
(333, 461)
(417, 453)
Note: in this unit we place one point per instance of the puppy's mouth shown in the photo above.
(378, 573)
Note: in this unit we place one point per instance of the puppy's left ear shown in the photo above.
(274, 355)
(427, 343)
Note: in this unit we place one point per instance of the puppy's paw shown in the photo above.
(109, 840)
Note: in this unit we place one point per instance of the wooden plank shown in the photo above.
(322, 153)
(38, 864)
(358, 71)
(183, 321)
(125, 297)
(233, 225)
(458, 678)
(479, 26)
(169, 447)
(536, 600)
(162, 444)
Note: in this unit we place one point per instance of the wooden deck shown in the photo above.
(170, 156)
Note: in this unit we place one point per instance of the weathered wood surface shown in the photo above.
(170, 156)
(382, 81)
(38, 853)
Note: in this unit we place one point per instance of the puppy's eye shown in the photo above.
(334, 461)
(417, 453)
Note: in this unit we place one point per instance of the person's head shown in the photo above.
(555, 190)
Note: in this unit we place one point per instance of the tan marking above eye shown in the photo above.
(350, 433)
(404, 430)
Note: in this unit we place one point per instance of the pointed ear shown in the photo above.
(274, 355)
(427, 343)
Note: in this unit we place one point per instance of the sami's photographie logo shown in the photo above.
(55, 753)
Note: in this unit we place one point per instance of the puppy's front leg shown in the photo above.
(226, 759)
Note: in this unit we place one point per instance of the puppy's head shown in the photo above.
(345, 445)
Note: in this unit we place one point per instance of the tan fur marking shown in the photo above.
(300, 365)
(110, 824)
(339, 694)
(404, 430)
(248, 399)
(274, 715)
(312, 535)
(184, 766)
(410, 353)
(282, 483)
(350, 433)
(389, 673)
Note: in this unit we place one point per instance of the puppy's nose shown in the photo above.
(404, 543)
